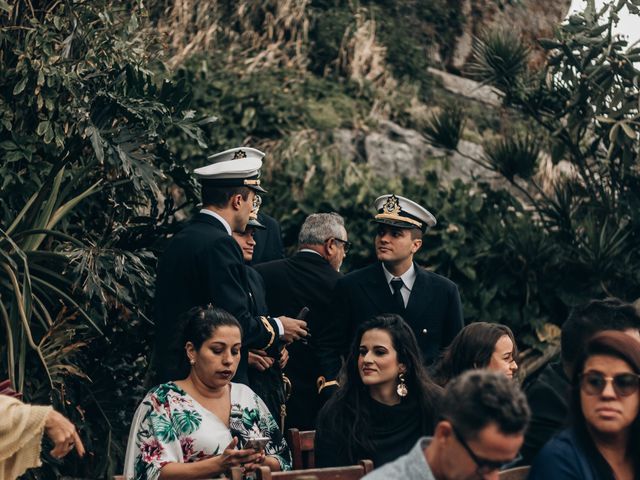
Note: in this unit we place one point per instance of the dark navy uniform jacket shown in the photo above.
(203, 264)
(434, 310)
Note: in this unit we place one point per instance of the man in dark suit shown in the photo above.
(203, 264)
(428, 302)
(307, 280)
(268, 241)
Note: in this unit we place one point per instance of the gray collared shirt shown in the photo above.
(412, 466)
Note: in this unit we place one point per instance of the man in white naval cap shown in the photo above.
(428, 302)
(203, 264)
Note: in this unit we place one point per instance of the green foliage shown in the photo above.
(514, 155)
(93, 136)
(444, 129)
(265, 104)
(81, 126)
(499, 58)
(586, 101)
(407, 29)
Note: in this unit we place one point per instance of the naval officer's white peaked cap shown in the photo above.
(235, 167)
(401, 212)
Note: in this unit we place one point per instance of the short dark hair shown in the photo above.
(219, 196)
(478, 398)
(416, 233)
(586, 320)
(200, 323)
(472, 347)
(626, 348)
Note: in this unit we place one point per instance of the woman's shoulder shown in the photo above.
(241, 390)
(561, 457)
(163, 391)
(244, 396)
(560, 443)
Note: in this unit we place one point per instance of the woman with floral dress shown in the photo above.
(197, 427)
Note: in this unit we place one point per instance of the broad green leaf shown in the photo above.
(628, 130)
(187, 421)
(20, 86)
(43, 126)
(162, 427)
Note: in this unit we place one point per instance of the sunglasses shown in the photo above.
(346, 244)
(484, 465)
(624, 384)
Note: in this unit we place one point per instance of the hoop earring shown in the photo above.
(402, 389)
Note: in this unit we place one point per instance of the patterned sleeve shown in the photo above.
(251, 418)
(277, 447)
(153, 440)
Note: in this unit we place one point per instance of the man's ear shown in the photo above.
(443, 430)
(417, 243)
(329, 247)
(236, 201)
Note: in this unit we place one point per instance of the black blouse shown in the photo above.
(394, 431)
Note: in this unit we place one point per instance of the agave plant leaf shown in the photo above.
(18, 218)
(68, 206)
(514, 155)
(499, 58)
(23, 304)
(48, 232)
(70, 300)
(444, 129)
(44, 215)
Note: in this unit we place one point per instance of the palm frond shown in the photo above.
(514, 155)
(499, 58)
(444, 129)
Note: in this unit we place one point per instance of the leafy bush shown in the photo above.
(586, 102)
(444, 129)
(82, 123)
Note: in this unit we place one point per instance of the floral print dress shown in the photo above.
(171, 426)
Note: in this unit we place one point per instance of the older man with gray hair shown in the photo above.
(308, 280)
(483, 417)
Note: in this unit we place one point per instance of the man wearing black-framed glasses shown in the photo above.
(483, 419)
(308, 279)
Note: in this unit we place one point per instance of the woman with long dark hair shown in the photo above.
(603, 442)
(478, 345)
(385, 402)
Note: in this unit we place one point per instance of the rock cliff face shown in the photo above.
(533, 18)
(393, 151)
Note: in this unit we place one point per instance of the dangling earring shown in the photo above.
(192, 361)
(402, 389)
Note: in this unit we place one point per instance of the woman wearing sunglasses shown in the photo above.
(604, 441)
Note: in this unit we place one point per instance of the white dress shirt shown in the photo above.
(218, 217)
(408, 279)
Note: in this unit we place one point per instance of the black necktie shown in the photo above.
(397, 284)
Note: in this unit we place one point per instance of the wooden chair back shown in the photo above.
(518, 473)
(352, 472)
(302, 445)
